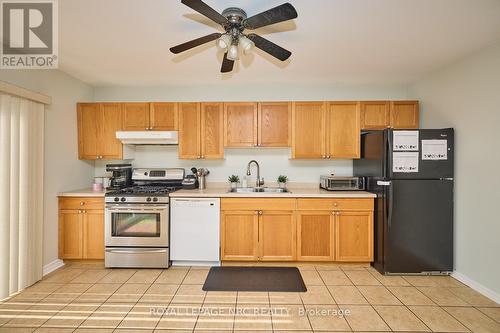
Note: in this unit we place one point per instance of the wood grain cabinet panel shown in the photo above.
(239, 235)
(81, 231)
(163, 116)
(110, 147)
(189, 131)
(70, 234)
(277, 236)
(375, 115)
(136, 116)
(89, 117)
(315, 236)
(354, 236)
(308, 130)
(405, 114)
(212, 130)
(344, 132)
(240, 124)
(274, 124)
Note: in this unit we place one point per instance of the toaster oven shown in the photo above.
(332, 183)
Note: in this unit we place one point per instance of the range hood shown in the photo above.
(148, 137)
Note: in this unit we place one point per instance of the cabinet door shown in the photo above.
(308, 130)
(344, 133)
(110, 122)
(70, 234)
(375, 115)
(163, 116)
(135, 116)
(189, 131)
(277, 241)
(354, 236)
(93, 234)
(315, 236)
(240, 124)
(212, 130)
(404, 114)
(88, 119)
(239, 235)
(274, 124)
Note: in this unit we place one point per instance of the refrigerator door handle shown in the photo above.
(391, 207)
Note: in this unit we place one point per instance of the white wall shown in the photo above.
(62, 169)
(466, 96)
(273, 161)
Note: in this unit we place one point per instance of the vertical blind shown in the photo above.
(21, 193)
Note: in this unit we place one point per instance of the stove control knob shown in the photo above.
(148, 199)
(145, 173)
(123, 199)
(155, 199)
(117, 199)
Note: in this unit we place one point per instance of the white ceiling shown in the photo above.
(126, 42)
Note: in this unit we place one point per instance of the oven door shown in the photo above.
(129, 225)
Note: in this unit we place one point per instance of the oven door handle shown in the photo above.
(136, 251)
(135, 210)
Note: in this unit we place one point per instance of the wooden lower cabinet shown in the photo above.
(81, 231)
(315, 236)
(297, 229)
(354, 236)
(239, 235)
(277, 236)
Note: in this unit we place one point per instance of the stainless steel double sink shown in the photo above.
(259, 190)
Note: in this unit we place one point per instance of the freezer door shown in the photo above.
(419, 231)
(427, 168)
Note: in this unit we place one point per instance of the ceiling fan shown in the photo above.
(235, 21)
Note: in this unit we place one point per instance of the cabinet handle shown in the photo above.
(328, 156)
(79, 211)
(256, 212)
(202, 156)
(84, 211)
(82, 203)
(324, 156)
(260, 212)
(335, 204)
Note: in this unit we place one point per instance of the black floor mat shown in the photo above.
(229, 278)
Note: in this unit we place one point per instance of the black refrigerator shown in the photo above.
(411, 172)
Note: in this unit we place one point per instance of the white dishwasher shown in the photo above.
(194, 231)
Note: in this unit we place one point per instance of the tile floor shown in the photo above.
(86, 297)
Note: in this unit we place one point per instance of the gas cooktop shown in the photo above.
(143, 190)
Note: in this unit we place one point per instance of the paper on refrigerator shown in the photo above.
(405, 141)
(434, 149)
(405, 162)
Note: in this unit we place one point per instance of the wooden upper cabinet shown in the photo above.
(136, 116)
(375, 115)
(212, 130)
(404, 114)
(240, 124)
(274, 124)
(315, 235)
(308, 130)
(354, 236)
(163, 116)
(110, 146)
(189, 130)
(277, 236)
(344, 133)
(89, 115)
(239, 235)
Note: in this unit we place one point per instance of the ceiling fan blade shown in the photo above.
(274, 15)
(269, 47)
(205, 10)
(227, 64)
(194, 43)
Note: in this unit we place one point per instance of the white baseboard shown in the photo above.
(52, 266)
(477, 286)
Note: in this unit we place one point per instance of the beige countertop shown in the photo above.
(297, 192)
(86, 192)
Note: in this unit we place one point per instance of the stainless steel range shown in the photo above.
(137, 219)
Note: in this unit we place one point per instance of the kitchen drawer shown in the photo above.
(335, 204)
(243, 204)
(81, 203)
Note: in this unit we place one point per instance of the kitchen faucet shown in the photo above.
(259, 182)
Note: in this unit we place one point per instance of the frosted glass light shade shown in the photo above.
(224, 42)
(245, 44)
(232, 53)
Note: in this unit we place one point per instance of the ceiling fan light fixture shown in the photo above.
(245, 44)
(232, 53)
(224, 42)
